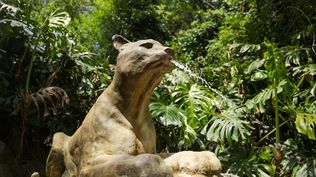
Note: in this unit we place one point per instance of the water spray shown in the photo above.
(199, 78)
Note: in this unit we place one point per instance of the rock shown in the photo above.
(228, 175)
(189, 163)
(35, 174)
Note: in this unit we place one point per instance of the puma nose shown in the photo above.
(169, 51)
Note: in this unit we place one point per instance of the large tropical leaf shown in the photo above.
(178, 77)
(228, 126)
(309, 69)
(196, 101)
(171, 115)
(59, 19)
(8, 9)
(254, 66)
(299, 159)
(49, 98)
(10, 26)
(45, 100)
(267, 94)
(193, 99)
(245, 161)
(293, 55)
(305, 124)
(167, 114)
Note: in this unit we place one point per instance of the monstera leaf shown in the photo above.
(268, 93)
(167, 114)
(8, 9)
(10, 26)
(196, 100)
(299, 159)
(228, 126)
(254, 66)
(59, 19)
(171, 115)
(305, 124)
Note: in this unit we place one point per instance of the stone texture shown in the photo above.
(117, 136)
(197, 164)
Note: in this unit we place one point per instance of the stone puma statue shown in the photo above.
(117, 136)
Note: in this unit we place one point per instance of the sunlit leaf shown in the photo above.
(309, 69)
(227, 126)
(259, 75)
(193, 99)
(167, 114)
(189, 135)
(244, 48)
(9, 9)
(254, 65)
(300, 171)
(178, 77)
(313, 90)
(305, 124)
(17, 24)
(268, 93)
(59, 19)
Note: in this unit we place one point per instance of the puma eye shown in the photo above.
(147, 45)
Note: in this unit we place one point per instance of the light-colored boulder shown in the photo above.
(197, 164)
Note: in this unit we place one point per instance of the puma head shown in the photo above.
(142, 56)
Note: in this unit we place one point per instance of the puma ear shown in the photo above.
(118, 41)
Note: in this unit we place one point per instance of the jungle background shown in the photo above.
(255, 105)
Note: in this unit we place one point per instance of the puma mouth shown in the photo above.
(166, 64)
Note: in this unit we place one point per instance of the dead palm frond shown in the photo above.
(46, 101)
(49, 98)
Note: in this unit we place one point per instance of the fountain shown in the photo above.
(117, 136)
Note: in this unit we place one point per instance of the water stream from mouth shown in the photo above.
(199, 78)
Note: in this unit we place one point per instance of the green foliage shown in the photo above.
(90, 25)
(168, 115)
(104, 18)
(232, 32)
(190, 45)
(176, 15)
(298, 158)
(259, 54)
(250, 161)
(58, 19)
(305, 124)
(267, 94)
(195, 100)
(42, 69)
(265, 76)
(185, 116)
(228, 126)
